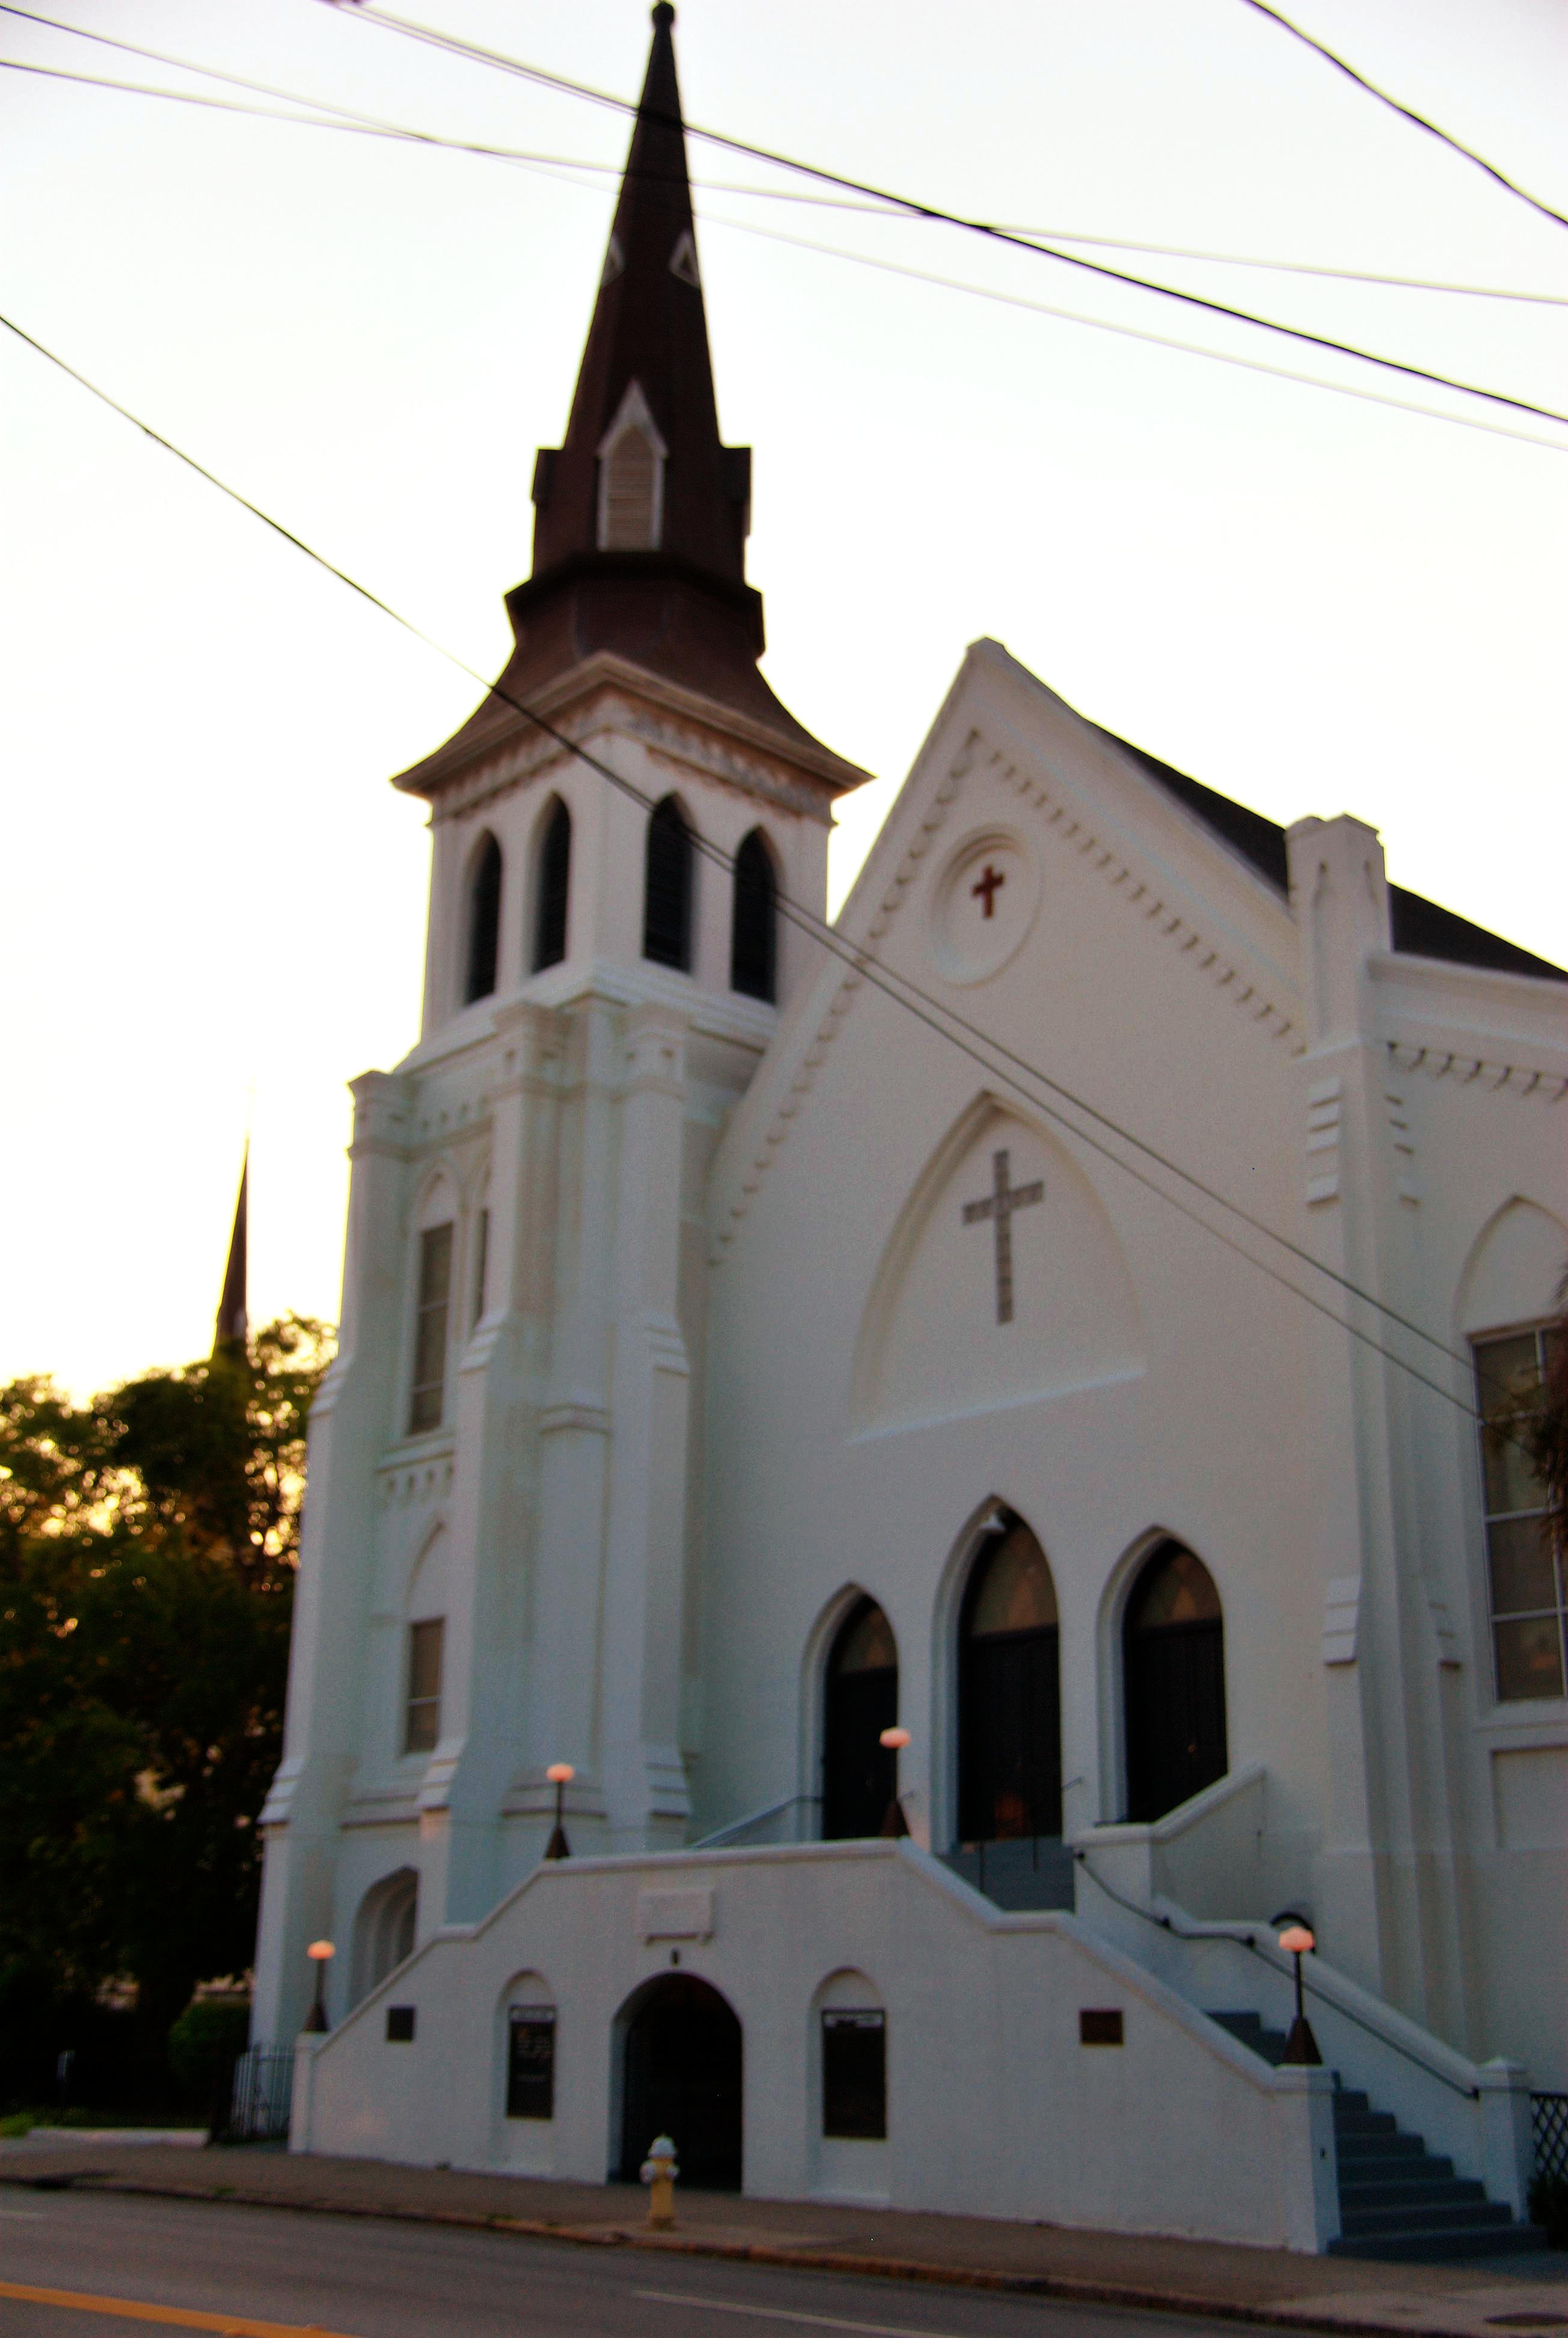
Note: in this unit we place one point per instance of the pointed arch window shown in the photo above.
(860, 1774)
(1173, 1674)
(484, 921)
(1009, 1692)
(667, 891)
(632, 478)
(554, 889)
(754, 933)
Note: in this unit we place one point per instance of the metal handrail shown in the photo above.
(739, 1826)
(1248, 1940)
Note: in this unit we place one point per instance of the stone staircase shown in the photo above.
(1029, 1871)
(1396, 2199)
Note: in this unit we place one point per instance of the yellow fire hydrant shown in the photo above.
(659, 2171)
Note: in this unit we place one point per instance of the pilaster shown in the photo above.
(348, 1423)
(1387, 1909)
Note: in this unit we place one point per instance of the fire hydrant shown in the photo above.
(659, 2171)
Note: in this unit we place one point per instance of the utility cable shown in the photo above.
(330, 116)
(940, 1019)
(448, 42)
(556, 164)
(1408, 113)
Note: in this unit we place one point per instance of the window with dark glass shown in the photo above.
(484, 923)
(667, 892)
(531, 2062)
(554, 891)
(422, 1714)
(481, 1265)
(1009, 1693)
(855, 2075)
(754, 935)
(860, 1774)
(1173, 1675)
(1525, 1562)
(426, 1395)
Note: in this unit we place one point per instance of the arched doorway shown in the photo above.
(1009, 1692)
(859, 1774)
(1173, 1671)
(682, 2079)
(385, 1929)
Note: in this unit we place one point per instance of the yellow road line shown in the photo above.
(182, 2317)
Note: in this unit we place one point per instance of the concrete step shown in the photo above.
(1359, 2151)
(1248, 2030)
(1357, 2223)
(1425, 2190)
(1445, 2247)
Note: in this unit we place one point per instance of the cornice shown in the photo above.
(672, 722)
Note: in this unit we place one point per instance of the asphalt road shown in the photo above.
(318, 2276)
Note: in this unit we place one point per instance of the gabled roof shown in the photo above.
(1421, 928)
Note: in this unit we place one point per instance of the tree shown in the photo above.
(148, 1544)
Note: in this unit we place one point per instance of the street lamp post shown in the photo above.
(894, 1822)
(1297, 1940)
(560, 1774)
(320, 1953)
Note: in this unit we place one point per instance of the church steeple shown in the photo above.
(642, 513)
(643, 468)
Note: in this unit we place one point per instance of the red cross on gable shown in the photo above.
(989, 885)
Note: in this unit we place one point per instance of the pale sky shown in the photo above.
(1313, 603)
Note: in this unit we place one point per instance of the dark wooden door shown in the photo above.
(1175, 1684)
(682, 2079)
(1009, 1736)
(859, 1774)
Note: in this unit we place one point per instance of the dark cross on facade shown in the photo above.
(998, 1206)
(988, 886)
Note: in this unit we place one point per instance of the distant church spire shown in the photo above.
(643, 469)
(232, 1323)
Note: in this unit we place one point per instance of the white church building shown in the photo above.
(1044, 1314)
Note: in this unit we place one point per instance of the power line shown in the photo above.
(352, 118)
(1408, 113)
(555, 164)
(450, 45)
(935, 1014)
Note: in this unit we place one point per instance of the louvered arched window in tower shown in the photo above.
(484, 921)
(667, 889)
(552, 887)
(754, 935)
(632, 478)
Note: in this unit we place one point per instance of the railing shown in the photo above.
(260, 2098)
(1549, 2132)
(1247, 1939)
(755, 1818)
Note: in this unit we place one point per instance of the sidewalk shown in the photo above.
(1487, 2299)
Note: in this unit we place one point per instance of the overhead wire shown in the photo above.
(362, 12)
(555, 165)
(328, 115)
(993, 1055)
(1421, 121)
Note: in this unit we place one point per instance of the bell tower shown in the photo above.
(502, 1567)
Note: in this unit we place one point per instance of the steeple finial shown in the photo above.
(643, 468)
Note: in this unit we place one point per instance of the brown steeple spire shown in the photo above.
(647, 361)
(642, 513)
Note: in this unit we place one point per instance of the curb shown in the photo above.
(1068, 2288)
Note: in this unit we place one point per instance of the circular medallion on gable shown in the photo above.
(985, 904)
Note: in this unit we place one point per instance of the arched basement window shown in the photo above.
(754, 935)
(554, 889)
(1009, 1693)
(667, 891)
(484, 923)
(1174, 1675)
(859, 1774)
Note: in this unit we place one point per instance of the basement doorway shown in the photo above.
(682, 2079)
